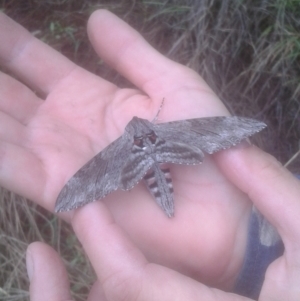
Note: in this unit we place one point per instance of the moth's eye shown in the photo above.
(138, 141)
(152, 137)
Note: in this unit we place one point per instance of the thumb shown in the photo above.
(47, 274)
(274, 191)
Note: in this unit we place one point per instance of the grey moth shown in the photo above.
(140, 151)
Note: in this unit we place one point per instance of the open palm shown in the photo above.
(44, 142)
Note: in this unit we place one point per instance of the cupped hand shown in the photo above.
(45, 141)
(125, 274)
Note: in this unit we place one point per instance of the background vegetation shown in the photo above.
(247, 50)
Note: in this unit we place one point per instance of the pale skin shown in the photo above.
(146, 256)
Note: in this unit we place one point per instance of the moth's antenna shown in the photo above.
(160, 107)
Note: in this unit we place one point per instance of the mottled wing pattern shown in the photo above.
(210, 134)
(97, 178)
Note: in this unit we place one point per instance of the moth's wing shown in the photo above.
(139, 161)
(210, 134)
(168, 151)
(97, 178)
(135, 168)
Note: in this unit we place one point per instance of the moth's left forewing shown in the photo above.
(97, 178)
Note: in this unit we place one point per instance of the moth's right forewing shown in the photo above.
(218, 133)
(210, 134)
(97, 178)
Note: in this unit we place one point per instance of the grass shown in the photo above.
(247, 51)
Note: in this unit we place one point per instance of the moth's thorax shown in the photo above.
(142, 132)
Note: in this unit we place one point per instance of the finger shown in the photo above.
(273, 190)
(32, 60)
(22, 173)
(125, 50)
(47, 274)
(122, 269)
(16, 99)
(11, 130)
(39, 65)
(118, 256)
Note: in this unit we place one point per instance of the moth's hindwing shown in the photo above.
(178, 153)
(134, 169)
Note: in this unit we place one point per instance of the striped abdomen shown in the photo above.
(159, 183)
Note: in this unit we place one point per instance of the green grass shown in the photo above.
(247, 51)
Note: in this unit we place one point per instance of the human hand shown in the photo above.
(123, 272)
(44, 142)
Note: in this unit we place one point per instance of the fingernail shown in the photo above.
(29, 264)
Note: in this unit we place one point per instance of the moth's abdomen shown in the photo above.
(160, 185)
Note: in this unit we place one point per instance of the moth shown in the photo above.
(142, 149)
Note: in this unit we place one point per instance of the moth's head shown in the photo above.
(139, 127)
